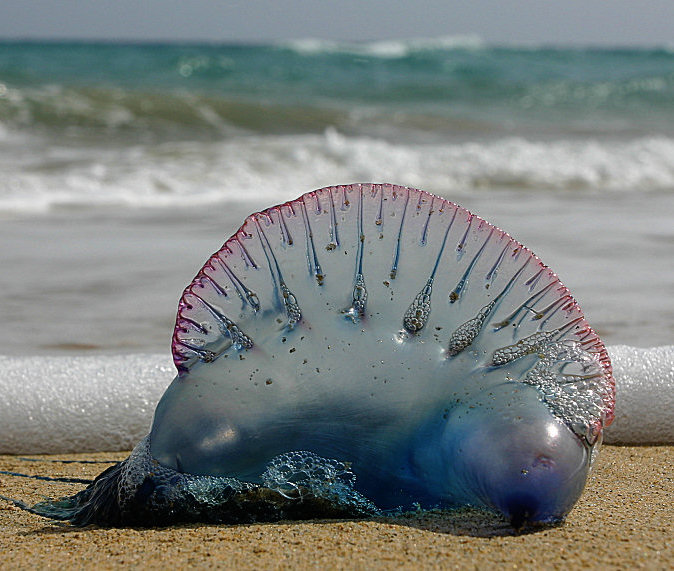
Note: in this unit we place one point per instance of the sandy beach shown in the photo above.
(624, 520)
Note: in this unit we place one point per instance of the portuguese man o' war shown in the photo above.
(360, 350)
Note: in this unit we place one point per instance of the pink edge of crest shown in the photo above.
(592, 342)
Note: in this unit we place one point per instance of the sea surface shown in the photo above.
(123, 167)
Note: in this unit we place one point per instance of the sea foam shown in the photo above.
(63, 404)
(175, 173)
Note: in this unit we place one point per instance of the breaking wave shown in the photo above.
(396, 48)
(183, 173)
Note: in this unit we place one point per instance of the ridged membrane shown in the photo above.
(366, 347)
(343, 321)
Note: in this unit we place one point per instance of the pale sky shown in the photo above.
(580, 22)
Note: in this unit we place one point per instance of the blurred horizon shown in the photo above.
(582, 23)
(459, 41)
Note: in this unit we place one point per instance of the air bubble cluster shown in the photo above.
(298, 474)
(573, 386)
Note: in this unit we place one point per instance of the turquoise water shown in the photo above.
(143, 125)
(356, 88)
(124, 166)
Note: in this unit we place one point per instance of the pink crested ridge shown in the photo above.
(291, 219)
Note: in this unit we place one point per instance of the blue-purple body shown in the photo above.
(369, 348)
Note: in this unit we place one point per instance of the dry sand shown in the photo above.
(625, 519)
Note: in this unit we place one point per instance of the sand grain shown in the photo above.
(625, 519)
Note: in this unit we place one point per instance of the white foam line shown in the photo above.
(644, 395)
(80, 403)
(105, 403)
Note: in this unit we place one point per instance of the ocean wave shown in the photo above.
(386, 49)
(404, 47)
(212, 92)
(105, 111)
(264, 167)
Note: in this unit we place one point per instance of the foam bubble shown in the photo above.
(79, 403)
(644, 412)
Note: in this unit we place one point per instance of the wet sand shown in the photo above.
(624, 520)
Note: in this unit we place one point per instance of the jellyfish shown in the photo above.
(362, 350)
